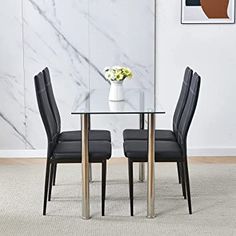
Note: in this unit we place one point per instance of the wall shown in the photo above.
(12, 109)
(209, 50)
(76, 41)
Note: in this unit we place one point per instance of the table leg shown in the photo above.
(141, 164)
(90, 165)
(90, 173)
(151, 165)
(85, 166)
(141, 171)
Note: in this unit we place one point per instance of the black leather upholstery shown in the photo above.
(94, 135)
(138, 134)
(137, 149)
(189, 110)
(98, 151)
(69, 135)
(51, 98)
(46, 112)
(182, 99)
(165, 151)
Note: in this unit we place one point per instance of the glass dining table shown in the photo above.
(136, 101)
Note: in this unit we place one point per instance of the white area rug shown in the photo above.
(213, 198)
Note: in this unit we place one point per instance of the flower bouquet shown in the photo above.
(116, 75)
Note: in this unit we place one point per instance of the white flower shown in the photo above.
(109, 75)
(116, 67)
(106, 69)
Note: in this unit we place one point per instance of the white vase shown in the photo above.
(116, 106)
(116, 91)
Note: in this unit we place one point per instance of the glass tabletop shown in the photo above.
(136, 101)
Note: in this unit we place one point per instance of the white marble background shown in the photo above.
(76, 39)
(12, 110)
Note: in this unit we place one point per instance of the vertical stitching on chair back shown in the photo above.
(182, 99)
(189, 110)
(51, 98)
(45, 111)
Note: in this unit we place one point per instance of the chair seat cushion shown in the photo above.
(165, 151)
(71, 151)
(94, 135)
(139, 134)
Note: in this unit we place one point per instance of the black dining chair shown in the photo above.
(168, 135)
(65, 152)
(167, 151)
(68, 136)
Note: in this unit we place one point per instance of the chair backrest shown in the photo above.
(182, 99)
(45, 111)
(188, 111)
(51, 98)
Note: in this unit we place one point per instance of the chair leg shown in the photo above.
(54, 174)
(187, 186)
(52, 169)
(46, 187)
(131, 187)
(104, 173)
(183, 179)
(179, 172)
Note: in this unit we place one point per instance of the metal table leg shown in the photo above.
(90, 165)
(151, 163)
(141, 171)
(85, 166)
(141, 164)
(90, 173)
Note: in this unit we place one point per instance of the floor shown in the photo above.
(213, 182)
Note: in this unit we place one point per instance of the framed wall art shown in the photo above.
(208, 12)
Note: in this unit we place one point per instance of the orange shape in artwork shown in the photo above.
(215, 8)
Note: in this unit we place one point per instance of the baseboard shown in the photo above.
(197, 151)
(23, 153)
(212, 151)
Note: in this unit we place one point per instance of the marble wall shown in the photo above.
(76, 39)
(12, 109)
